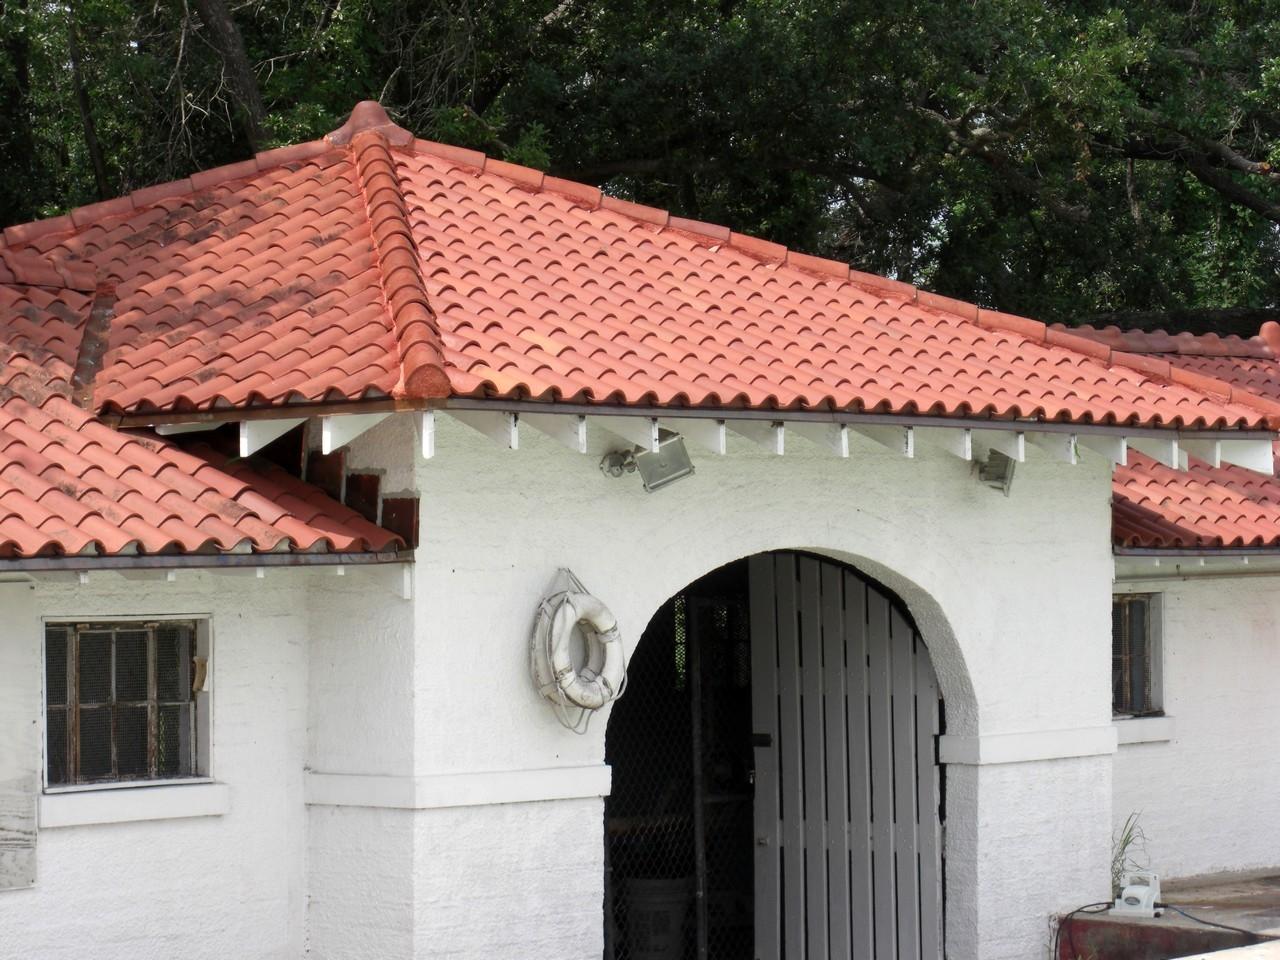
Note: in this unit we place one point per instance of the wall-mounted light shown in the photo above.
(996, 471)
(669, 463)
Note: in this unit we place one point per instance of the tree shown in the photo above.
(1067, 160)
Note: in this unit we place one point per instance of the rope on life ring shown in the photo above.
(579, 690)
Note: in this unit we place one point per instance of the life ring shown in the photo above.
(602, 677)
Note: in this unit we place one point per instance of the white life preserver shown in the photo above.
(602, 677)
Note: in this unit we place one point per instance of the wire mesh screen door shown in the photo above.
(776, 792)
(848, 858)
(679, 829)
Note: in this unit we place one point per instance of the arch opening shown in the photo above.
(776, 790)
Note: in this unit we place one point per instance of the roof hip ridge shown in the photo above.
(418, 340)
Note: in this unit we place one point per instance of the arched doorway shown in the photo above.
(776, 792)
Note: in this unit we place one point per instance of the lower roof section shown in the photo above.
(72, 487)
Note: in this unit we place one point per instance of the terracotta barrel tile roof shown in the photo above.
(372, 264)
(70, 485)
(1204, 507)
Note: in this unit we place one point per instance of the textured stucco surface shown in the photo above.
(340, 676)
(1208, 799)
(1012, 594)
(212, 887)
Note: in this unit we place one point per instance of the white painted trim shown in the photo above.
(640, 432)
(338, 431)
(1164, 450)
(1114, 449)
(256, 434)
(769, 435)
(898, 439)
(706, 433)
(457, 789)
(1063, 447)
(1210, 451)
(1012, 445)
(502, 427)
(1144, 730)
(1255, 455)
(958, 443)
(427, 430)
(568, 430)
(172, 802)
(1024, 747)
(833, 437)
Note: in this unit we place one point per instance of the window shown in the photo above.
(1135, 655)
(124, 702)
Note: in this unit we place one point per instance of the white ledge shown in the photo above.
(989, 748)
(127, 804)
(1144, 730)
(457, 789)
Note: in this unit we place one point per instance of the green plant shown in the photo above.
(1128, 851)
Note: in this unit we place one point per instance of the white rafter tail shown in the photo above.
(177, 429)
(704, 431)
(256, 434)
(640, 431)
(770, 435)
(1113, 447)
(1160, 449)
(901, 440)
(337, 432)
(1208, 451)
(830, 436)
(569, 429)
(1063, 447)
(1012, 443)
(427, 431)
(500, 427)
(956, 441)
(1255, 455)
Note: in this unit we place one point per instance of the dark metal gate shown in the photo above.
(775, 788)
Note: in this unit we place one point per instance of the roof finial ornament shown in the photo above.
(369, 115)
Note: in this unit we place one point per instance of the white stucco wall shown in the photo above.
(398, 790)
(1011, 594)
(1208, 798)
(207, 887)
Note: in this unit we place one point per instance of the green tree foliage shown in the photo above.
(1075, 161)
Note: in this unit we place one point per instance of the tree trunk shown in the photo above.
(226, 39)
(17, 144)
(86, 111)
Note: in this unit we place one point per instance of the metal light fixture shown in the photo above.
(657, 469)
(996, 471)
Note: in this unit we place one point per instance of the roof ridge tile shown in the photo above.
(413, 322)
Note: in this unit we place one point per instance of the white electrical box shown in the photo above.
(1139, 894)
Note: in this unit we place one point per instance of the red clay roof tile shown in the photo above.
(71, 485)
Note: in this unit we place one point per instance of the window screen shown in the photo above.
(119, 701)
(1133, 656)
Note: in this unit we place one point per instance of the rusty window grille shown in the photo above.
(121, 702)
(1134, 656)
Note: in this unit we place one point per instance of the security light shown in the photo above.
(996, 471)
(657, 468)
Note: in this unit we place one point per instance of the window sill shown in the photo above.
(125, 805)
(1144, 730)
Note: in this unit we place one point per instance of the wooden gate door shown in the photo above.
(845, 713)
